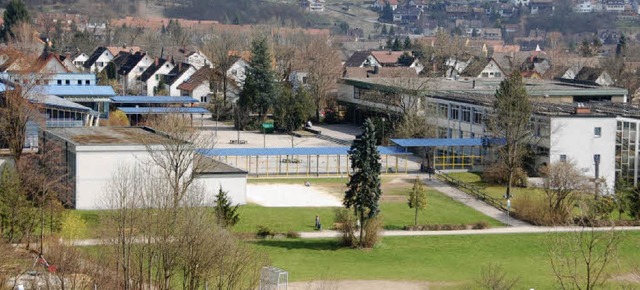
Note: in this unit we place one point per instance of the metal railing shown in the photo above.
(471, 190)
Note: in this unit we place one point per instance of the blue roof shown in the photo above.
(82, 91)
(294, 151)
(432, 142)
(57, 102)
(163, 110)
(152, 100)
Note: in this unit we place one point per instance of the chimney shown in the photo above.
(376, 70)
(179, 66)
(157, 61)
(473, 84)
(581, 110)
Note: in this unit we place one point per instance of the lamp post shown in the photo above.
(383, 119)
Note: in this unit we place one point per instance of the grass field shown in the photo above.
(396, 214)
(456, 259)
(494, 191)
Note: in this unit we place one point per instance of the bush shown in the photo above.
(265, 232)
(372, 229)
(436, 227)
(480, 225)
(73, 226)
(345, 223)
(497, 173)
(536, 211)
(600, 209)
(293, 235)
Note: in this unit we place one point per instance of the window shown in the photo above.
(87, 82)
(597, 131)
(485, 75)
(79, 82)
(443, 111)
(67, 82)
(477, 117)
(563, 158)
(498, 75)
(59, 82)
(455, 112)
(466, 114)
(141, 69)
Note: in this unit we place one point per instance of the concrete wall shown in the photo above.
(574, 137)
(234, 184)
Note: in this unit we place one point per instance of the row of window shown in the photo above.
(79, 82)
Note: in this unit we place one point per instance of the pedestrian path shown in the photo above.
(502, 231)
(474, 203)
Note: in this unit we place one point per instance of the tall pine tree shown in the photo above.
(364, 184)
(14, 14)
(258, 93)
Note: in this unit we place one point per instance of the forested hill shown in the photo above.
(237, 11)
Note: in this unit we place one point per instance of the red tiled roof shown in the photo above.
(200, 76)
(388, 57)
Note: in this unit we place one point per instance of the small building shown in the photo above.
(98, 60)
(92, 155)
(198, 85)
(154, 75)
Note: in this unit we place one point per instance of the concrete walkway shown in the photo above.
(504, 230)
(474, 203)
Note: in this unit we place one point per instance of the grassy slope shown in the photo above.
(437, 258)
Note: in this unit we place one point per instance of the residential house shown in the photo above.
(361, 59)
(379, 4)
(79, 60)
(67, 61)
(313, 5)
(614, 6)
(457, 11)
(133, 65)
(456, 64)
(180, 72)
(198, 85)
(584, 7)
(197, 59)
(542, 7)
(594, 75)
(117, 49)
(407, 15)
(393, 58)
(379, 72)
(420, 4)
(153, 76)
(521, 2)
(483, 68)
(238, 70)
(298, 79)
(98, 60)
(492, 33)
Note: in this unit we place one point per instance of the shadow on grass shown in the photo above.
(297, 244)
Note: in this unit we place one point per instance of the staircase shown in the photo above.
(334, 140)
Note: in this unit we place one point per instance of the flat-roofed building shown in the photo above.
(93, 155)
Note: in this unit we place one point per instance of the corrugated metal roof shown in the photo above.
(84, 91)
(432, 142)
(294, 151)
(152, 100)
(163, 110)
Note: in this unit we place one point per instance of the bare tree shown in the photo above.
(220, 48)
(581, 259)
(324, 69)
(494, 277)
(563, 185)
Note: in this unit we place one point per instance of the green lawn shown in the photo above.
(456, 259)
(440, 210)
(495, 191)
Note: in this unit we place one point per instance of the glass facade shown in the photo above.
(626, 138)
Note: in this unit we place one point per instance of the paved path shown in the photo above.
(504, 230)
(474, 203)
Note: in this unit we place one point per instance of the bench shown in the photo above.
(236, 141)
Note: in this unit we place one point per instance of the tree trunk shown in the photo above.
(224, 89)
(416, 217)
(509, 182)
(361, 228)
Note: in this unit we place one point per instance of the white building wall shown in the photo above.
(238, 71)
(137, 71)
(234, 184)
(154, 80)
(96, 166)
(102, 61)
(575, 138)
(201, 92)
(173, 88)
(198, 60)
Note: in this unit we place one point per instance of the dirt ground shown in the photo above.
(366, 285)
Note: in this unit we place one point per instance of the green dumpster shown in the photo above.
(267, 128)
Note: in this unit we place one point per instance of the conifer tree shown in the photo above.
(258, 92)
(364, 184)
(226, 214)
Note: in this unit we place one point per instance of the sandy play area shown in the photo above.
(290, 195)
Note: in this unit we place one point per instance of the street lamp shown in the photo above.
(383, 131)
